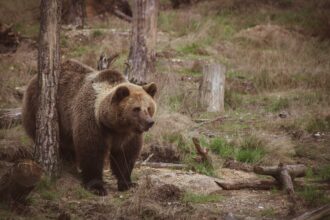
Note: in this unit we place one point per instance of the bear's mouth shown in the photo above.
(141, 129)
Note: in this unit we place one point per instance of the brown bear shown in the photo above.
(100, 113)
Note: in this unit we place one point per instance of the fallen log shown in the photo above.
(18, 180)
(236, 165)
(297, 170)
(10, 117)
(252, 184)
(162, 165)
(316, 214)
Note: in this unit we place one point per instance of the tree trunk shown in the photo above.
(76, 13)
(141, 61)
(47, 130)
(212, 88)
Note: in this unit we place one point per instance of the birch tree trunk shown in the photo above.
(141, 60)
(47, 130)
(212, 88)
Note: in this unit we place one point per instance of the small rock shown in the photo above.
(260, 207)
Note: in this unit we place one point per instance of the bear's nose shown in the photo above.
(150, 123)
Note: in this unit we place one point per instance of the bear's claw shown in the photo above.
(96, 187)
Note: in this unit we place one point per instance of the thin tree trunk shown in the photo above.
(47, 130)
(141, 61)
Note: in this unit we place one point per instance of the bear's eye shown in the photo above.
(136, 109)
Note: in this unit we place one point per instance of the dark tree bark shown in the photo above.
(141, 61)
(47, 130)
(75, 13)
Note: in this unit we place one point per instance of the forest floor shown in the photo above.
(277, 110)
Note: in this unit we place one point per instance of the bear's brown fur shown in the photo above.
(99, 112)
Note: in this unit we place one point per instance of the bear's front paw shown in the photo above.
(96, 187)
(123, 186)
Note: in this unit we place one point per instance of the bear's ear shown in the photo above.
(150, 88)
(120, 93)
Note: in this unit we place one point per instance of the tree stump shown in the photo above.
(19, 179)
(212, 88)
(142, 56)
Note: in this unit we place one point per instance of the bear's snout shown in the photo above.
(148, 123)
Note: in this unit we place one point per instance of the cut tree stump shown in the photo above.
(19, 179)
(10, 117)
(212, 88)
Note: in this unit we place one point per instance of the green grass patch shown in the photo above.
(201, 198)
(191, 72)
(192, 48)
(324, 173)
(82, 193)
(250, 150)
(279, 104)
(318, 124)
(97, 33)
(28, 30)
(175, 102)
(313, 196)
(233, 100)
(79, 51)
(221, 147)
(46, 189)
(270, 212)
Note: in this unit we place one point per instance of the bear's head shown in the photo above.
(128, 108)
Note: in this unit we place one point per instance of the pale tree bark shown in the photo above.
(212, 88)
(142, 57)
(47, 130)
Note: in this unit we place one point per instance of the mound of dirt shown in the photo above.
(271, 35)
(167, 153)
(166, 193)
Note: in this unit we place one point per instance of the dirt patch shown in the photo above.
(166, 153)
(166, 193)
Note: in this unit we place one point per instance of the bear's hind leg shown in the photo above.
(122, 160)
(90, 156)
